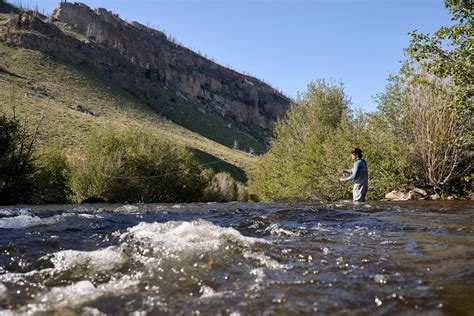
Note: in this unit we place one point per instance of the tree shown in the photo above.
(16, 160)
(431, 138)
(444, 61)
(301, 163)
(448, 52)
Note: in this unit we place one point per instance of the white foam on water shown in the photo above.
(264, 260)
(20, 221)
(88, 216)
(207, 292)
(259, 277)
(25, 219)
(19, 277)
(3, 292)
(380, 278)
(82, 292)
(277, 230)
(198, 235)
(319, 227)
(148, 243)
(11, 212)
(96, 261)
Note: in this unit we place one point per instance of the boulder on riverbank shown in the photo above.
(407, 194)
(414, 193)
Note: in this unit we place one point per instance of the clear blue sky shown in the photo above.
(289, 43)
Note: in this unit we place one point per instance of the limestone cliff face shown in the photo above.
(127, 51)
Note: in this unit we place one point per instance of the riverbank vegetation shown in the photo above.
(114, 166)
(78, 101)
(421, 133)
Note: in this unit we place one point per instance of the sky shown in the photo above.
(289, 43)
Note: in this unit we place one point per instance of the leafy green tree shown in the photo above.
(432, 137)
(297, 165)
(448, 52)
(431, 102)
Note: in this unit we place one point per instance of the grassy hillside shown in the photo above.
(78, 101)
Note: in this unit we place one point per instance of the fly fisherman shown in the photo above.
(358, 175)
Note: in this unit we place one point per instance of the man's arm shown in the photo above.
(353, 171)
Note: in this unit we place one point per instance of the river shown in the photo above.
(238, 259)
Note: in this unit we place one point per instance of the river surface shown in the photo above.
(238, 259)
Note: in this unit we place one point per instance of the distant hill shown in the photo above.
(146, 64)
(90, 69)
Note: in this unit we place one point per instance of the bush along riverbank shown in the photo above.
(419, 136)
(128, 166)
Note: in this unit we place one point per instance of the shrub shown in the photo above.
(52, 177)
(16, 161)
(223, 188)
(300, 164)
(242, 192)
(136, 167)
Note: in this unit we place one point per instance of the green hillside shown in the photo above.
(78, 101)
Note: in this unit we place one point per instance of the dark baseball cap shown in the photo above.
(357, 151)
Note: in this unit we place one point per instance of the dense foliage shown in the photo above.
(448, 52)
(296, 165)
(421, 133)
(16, 161)
(443, 73)
(314, 142)
(136, 167)
(52, 176)
(30, 173)
(128, 166)
(433, 136)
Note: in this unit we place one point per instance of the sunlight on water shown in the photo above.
(237, 259)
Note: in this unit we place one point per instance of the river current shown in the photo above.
(238, 259)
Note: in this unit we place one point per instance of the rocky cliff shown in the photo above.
(144, 62)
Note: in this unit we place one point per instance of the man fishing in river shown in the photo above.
(358, 175)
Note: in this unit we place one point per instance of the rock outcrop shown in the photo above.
(142, 60)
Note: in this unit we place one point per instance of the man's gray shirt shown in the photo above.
(359, 174)
(360, 177)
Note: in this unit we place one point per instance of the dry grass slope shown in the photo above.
(78, 102)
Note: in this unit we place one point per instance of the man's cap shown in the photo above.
(357, 151)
